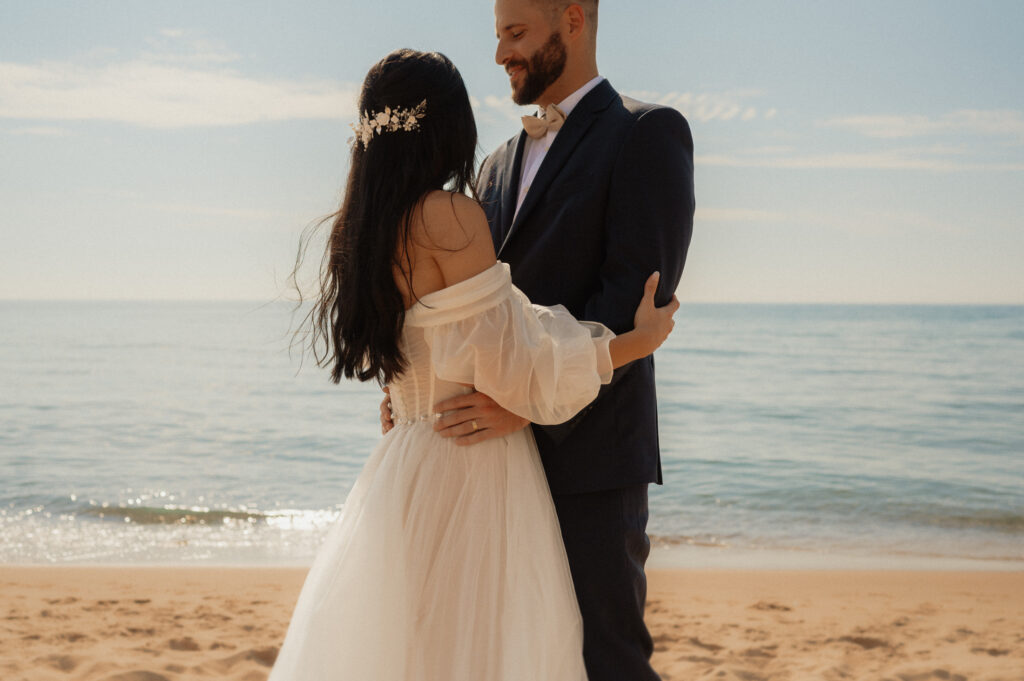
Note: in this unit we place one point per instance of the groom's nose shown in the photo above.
(502, 54)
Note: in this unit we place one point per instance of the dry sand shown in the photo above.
(173, 624)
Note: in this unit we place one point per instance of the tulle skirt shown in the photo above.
(446, 564)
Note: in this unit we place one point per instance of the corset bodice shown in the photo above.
(418, 389)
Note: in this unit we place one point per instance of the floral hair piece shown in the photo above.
(388, 120)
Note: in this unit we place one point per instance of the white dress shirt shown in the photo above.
(536, 149)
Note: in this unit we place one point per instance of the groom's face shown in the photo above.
(529, 47)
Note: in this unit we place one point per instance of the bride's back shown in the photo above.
(449, 242)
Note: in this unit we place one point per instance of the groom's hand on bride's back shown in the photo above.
(474, 418)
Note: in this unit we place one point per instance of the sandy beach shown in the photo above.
(177, 623)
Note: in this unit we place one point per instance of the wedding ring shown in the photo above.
(473, 424)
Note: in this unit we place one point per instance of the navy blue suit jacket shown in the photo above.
(611, 203)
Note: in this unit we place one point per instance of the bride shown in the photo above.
(446, 563)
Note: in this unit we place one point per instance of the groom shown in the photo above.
(584, 210)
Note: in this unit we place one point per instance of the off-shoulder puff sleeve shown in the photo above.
(535, 361)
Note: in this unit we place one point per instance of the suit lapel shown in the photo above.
(573, 130)
(508, 183)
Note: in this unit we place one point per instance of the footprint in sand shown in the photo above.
(187, 643)
(756, 634)
(140, 631)
(64, 663)
(959, 635)
(262, 656)
(865, 642)
(941, 674)
(693, 640)
(763, 651)
(765, 605)
(141, 675)
(53, 615)
(741, 674)
(663, 642)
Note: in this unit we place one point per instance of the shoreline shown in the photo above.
(664, 556)
(174, 623)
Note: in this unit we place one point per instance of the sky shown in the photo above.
(845, 152)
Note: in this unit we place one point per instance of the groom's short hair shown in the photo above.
(556, 7)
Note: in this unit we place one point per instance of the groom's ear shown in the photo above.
(574, 20)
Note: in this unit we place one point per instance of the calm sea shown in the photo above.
(823, 435)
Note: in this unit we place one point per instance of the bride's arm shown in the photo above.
(461, 247)
(460, 244)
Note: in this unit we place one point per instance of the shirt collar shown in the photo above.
(570, 102)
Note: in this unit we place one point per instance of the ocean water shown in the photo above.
(186, 433)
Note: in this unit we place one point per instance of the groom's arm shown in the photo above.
(649, 219)
(648, 225)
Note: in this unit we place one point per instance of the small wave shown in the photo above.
(714, 352)
(686, 540)
(150, 515)
(1006, 522)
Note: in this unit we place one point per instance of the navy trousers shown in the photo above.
(605, 535)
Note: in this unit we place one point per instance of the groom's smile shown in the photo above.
(514, 70)
(531, 77)
(530, 48)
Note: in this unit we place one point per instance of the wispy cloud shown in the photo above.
(173, 87)
(175, 45)
(994, 122)
(930, 159)
(732, 105)
(500, 109)
(858, 221)
(703, 107)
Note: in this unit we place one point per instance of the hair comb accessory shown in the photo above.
(389, 120)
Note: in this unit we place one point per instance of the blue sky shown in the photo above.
(845, 151)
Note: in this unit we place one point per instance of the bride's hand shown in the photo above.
(654, 324)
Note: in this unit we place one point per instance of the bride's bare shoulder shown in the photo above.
(451, 221)
(452, 229)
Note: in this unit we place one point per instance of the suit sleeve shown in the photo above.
(649, 217)
(648, 226)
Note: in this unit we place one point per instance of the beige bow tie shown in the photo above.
(552, 120)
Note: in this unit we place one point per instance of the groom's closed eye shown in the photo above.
(513, 30)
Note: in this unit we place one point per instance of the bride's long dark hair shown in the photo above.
(359, 311)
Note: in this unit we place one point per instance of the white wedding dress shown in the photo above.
(446, 563)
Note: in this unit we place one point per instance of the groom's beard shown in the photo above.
(544, 67)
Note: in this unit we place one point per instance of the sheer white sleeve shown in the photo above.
(535, 361)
